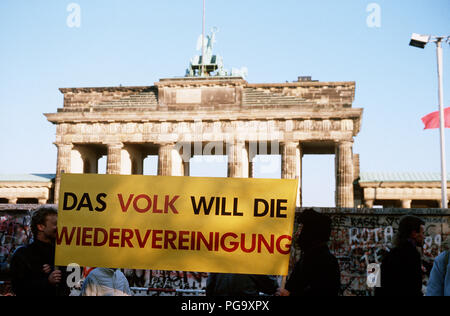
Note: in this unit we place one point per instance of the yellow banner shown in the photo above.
(225, 225)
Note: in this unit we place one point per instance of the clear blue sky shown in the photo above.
(137, 42)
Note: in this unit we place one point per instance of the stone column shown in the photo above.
(251, 167)
(178, 167)
(252, 149)
(186, 168)
(237, 160)
(368, 203)
(90, 162)
(183, 151)
(113, 161)
(165, 159)
(291, 165)
(344, 174)
(84, 159)
(406, 203)
(132, 160)
(63, 165)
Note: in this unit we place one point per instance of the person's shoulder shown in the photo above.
(95, 274)
(20, 256)
(21, 251)
(325, 252)
(120, 274)
(442, 257)
(325, 257)
(92, 278)
(399, 251)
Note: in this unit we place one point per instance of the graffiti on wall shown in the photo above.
(159, 279)
(362, 237)
(359, 238)
(14, 232)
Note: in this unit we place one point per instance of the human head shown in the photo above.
(410, 227)
(43, 223)
(316, 229)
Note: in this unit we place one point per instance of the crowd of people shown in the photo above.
(317, 273)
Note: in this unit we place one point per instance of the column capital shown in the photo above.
(115, 145)
(368, 203)
(406, 203)
(237, 142)
(166, 144)
(289, 143)
(343, 143)
(64, 145)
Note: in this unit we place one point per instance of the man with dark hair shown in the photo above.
(317, 273)
(401, 268)
(32, 270)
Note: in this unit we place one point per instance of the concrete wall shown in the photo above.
(362, 236)
(359, 237)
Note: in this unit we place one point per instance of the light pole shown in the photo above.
(420, 41)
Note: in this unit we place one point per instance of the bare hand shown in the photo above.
(55, 277)
(46, 268)
(282, 292)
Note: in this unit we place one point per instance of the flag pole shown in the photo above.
(420, 41)
(441, 123)
(203, 40)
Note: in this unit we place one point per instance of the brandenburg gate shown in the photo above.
(178, 118)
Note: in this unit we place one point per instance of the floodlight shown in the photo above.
(419, 41)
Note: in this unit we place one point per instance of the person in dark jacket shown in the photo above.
(317, 273)
(227, 284)
(401, 268)
(32, 270)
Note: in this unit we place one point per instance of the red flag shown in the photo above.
(432, 120)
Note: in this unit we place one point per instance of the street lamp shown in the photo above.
(418, 40)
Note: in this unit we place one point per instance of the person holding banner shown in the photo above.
(317, 273)
(32, 266)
